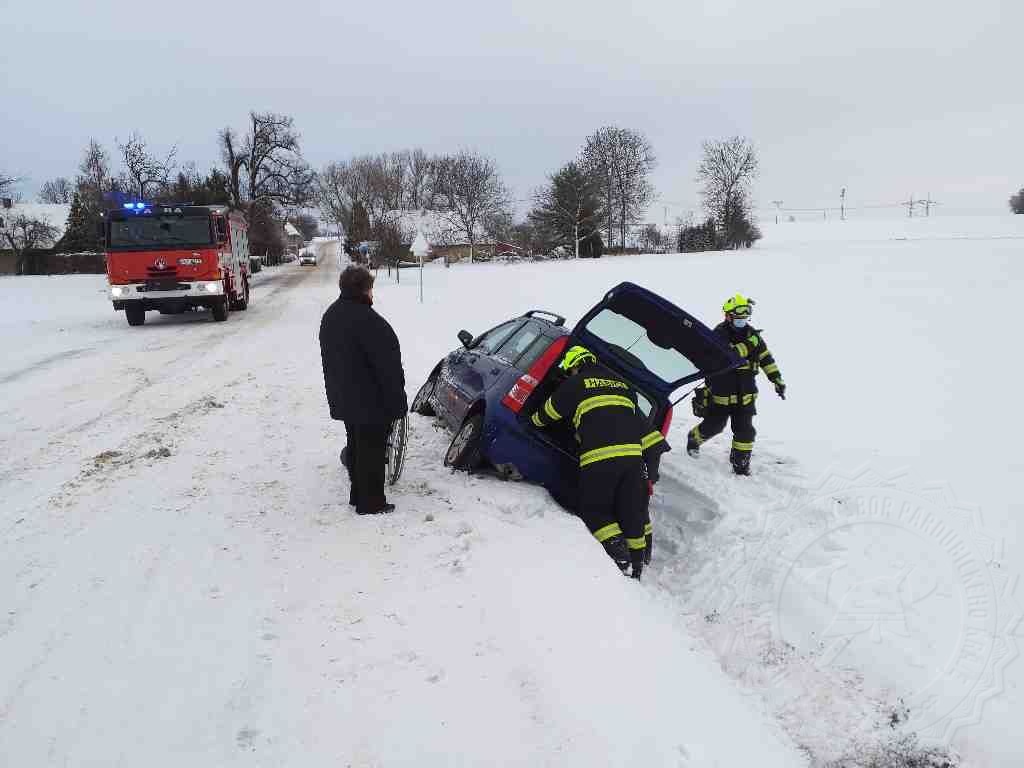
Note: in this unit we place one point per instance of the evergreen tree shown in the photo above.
(569, 210)
(80, 234)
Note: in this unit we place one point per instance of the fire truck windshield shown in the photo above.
(138, 233)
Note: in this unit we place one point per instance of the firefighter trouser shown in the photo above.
(613, 499)
(743, 431)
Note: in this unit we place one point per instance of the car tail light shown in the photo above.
(525, 384)
(667, 424)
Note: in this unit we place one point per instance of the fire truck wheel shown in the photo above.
(135, 315)
(220, 310)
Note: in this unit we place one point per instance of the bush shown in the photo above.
(700, 238)
(1017, 202)
(901, 751)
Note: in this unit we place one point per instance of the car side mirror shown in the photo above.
(222, 231)
(466, 338)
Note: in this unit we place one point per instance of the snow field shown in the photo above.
(174, 522)
(184, 584)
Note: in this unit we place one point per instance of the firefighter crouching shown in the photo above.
(611, 435)
(733, 395)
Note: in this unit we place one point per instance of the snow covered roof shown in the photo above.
(290, 230)
(56, 215)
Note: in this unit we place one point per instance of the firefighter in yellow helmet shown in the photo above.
(733, 395)
(612, 442)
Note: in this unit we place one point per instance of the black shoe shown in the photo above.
(692, 446)
(382, 511)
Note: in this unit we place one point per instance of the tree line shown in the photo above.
(262, 172)
(589, 205)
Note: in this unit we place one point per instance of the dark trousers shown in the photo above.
(743, 432)
(614, 491)
(366, 456)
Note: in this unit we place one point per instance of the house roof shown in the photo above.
(56, 215)
(290, 230)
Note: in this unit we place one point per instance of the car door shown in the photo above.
(468, 370)
(655, 344)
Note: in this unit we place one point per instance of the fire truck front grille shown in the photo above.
(166, 272)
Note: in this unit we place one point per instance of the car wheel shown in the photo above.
(464, 452)
(421, 403)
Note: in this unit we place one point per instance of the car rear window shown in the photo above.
(634, 345)
(495, 337)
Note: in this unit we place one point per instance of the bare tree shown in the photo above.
(418, 179)
(621, 158)
(726, 171)
(475, 192)
(332, 194)
(146, 174)
(25, 234)
(273, 162)
(93, 181)
(234, 162)
(59, 190)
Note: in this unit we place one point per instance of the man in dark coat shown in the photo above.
(365, 385)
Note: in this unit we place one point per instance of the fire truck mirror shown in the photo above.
(222, 231)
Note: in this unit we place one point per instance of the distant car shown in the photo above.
(307, 258)
(487, 389)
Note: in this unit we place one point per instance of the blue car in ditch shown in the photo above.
(486, 390)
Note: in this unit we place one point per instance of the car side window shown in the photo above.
(534, 351)
(494, 338)
(519, 342)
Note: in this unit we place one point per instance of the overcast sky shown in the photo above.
(886, 98)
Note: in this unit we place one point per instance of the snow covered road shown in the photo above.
(183, 584)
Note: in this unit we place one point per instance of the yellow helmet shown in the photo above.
(738, 306)
(575, 357)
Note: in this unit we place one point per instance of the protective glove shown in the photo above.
(637, 558)
(649, 549)
(618, 551)
(780, 389)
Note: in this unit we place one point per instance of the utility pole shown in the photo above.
(842, 204)
(778, 207)
(928, 205)
(910, 205)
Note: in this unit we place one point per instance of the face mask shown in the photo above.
(739, 322)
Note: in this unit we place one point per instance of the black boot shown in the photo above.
(740, 461)
(692, 446)
(618, 551)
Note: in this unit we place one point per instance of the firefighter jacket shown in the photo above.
(738, 388)
(603, 411)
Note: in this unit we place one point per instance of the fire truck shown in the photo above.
(176, 258)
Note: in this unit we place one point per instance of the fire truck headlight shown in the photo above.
(118, 290)
(211, 287)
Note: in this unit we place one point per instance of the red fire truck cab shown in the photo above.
(176, 258)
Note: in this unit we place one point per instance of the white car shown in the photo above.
(307, 258)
